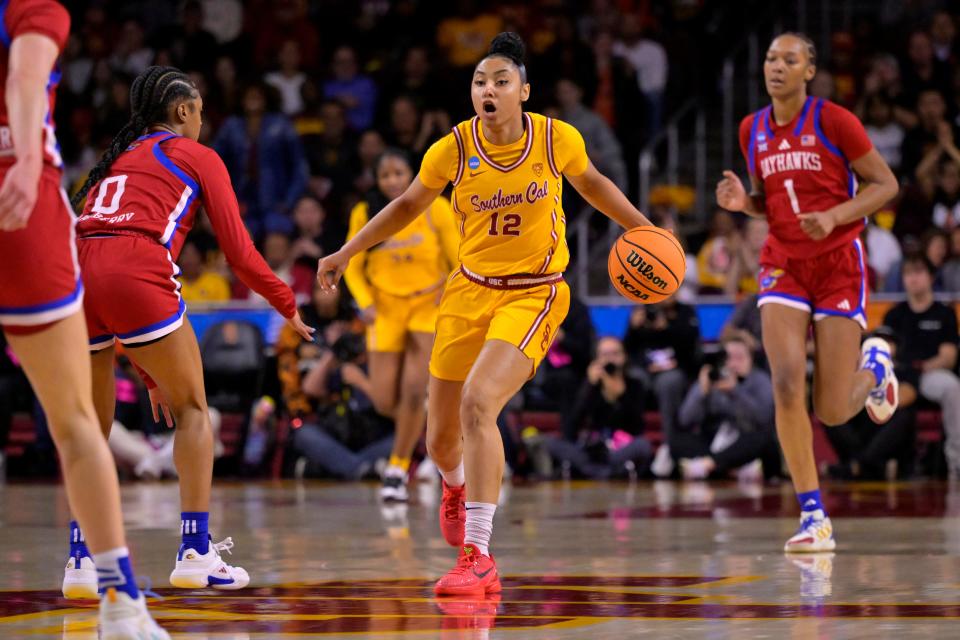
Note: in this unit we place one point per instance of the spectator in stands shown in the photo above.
(884, 80)
(726, 420)
(742, 277)
(412, 131)
(923, 71)
(191, 45)
(864, 447)
(884, 131)
(555, 385)
(943, 38)
(315, 234)
(329, 152)
(951, 270)
(278, 21)
(369, 147)
(265, 159)
(928, 344)
(716, 256)
(281, 260)
(130, 53)
(605, 426)
(414, 78)
(602, 146)
(568, 57)
(649, 61)
(823, 85)
(929, 132)
(356, 91)
(288, 79)
(744, 324)
(347, 437)
(463, 38)
(883, 253)
(197, 282)
(663, 343)
(226, 96)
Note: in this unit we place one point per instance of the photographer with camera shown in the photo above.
(726, 419)
(607, 418)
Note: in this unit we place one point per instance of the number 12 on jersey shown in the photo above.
(511, 224)
(788, 185)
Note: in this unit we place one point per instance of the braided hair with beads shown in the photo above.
(151, 95)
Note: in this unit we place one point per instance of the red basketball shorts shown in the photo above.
(39, 276)
(831, 284)
(132, 290)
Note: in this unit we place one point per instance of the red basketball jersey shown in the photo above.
(155, 188)
(804, 166)
(19, 17)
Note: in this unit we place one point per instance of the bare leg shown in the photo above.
(410, 412)
(784, 340)
(496, 376)
(444, 436)
(57, 364)
(384, 378)
(174, 363)
(839, 389)
(104, 388)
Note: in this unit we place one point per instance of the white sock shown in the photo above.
(479, 525)
(455, 477)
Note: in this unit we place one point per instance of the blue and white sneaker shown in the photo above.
(197, 571)
(123, 618)
(884, 398)
(814, 535)
(80, 579)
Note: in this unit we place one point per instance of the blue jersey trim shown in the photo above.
(803, 116)
(752, 145)
(4, 34)
(46, 306)
(156, 325)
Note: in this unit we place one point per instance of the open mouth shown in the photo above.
(489, 107)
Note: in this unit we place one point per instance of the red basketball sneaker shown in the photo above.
(453, 513)
(475, 573)
(477, 612)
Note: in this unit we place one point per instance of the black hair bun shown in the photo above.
(509, 45)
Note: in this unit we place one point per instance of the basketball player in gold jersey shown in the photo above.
(397, 285)
(501, 309)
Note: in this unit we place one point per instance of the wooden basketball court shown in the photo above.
(581, 561)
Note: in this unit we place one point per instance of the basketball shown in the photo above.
(646, 264)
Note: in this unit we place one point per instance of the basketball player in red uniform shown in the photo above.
(143, 199)
(805, 156)
(41, 296)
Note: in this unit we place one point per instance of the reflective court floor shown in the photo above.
(579, 561)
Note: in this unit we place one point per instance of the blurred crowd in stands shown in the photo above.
(300, 98)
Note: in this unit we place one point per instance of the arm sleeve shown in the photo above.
(444, 219)
(440, 163)
(355, 274)
(745, 125)
(569, 150)
(220, 203)
(38, 16)
(846, 131)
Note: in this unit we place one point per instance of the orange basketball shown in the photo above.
(647, 264)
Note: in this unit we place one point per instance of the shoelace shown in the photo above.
(451, 510)
(147, 588)
(464, 563)
(224, 545)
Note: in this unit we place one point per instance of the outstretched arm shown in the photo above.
(605, 197)
(391, 219)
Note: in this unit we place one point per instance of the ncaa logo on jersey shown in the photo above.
(473, 162)
(770, 279)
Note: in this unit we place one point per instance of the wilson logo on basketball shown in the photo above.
(645, 269)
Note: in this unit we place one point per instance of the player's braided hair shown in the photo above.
(151, 94)
(806, 40)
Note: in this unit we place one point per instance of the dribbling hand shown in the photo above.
(330, 270)
(300, 327)
(730, 192)
(18, 195)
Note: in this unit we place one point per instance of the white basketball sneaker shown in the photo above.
(394, 487)
(197, 571)
(80, 579)
(883, 400)
(123, 618)
(815, 534)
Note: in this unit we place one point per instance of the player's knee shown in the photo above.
(191, 411)
(789, 387)
(384, 403)
(441, 441)
(829, 414)
(475, 408)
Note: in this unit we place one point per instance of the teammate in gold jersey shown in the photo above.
(397, 285)
(501, 308)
